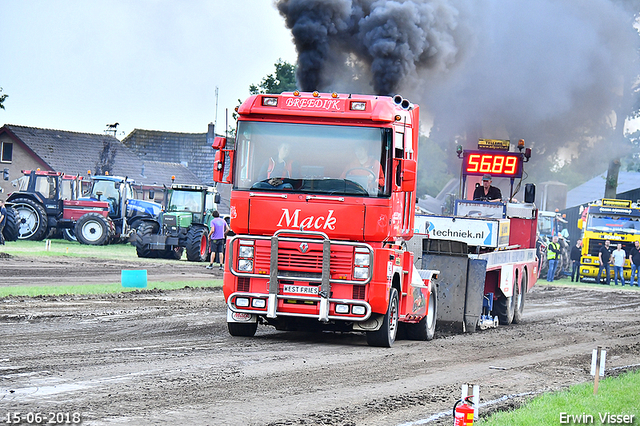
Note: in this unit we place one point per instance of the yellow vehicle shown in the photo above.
(608, 219)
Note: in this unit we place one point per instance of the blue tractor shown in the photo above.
(120, 215)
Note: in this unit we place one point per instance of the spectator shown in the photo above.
(576, 253)
(618, 256)
(553, 252)
(218, 229)
(634, 259)
(604, 255)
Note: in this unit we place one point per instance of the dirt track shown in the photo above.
(166, 357)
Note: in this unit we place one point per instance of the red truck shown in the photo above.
(322, 202)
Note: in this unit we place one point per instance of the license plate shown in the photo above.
(300, 289)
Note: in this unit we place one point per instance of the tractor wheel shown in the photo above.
(426, 328)
(32, 219)
(11, 230)
(386, 335)
(145, 229)
(197, 240)
(69, 234)
(93, 229)
(174, 253)
(505, 307)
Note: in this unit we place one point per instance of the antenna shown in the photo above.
(215, 121)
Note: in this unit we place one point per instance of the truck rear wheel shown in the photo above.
(10, 230)
(426, 328)
(242, 329)
(197, 239)
(32, 219)
(505, 307)
(93, 229)
(146, 229)
(386, 335)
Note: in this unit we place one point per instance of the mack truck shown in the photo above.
(607, 219)
(182, 226)
(322, 204)
(486, 251)
(116, 211)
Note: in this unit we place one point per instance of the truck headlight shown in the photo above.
(586, 260)
(358, 310)
(362, 259)
(242, 302)
(245, 251)
(342, 309)
(245, 265)
(361, 273)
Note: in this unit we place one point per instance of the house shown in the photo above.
(28, 148)
(192, 150)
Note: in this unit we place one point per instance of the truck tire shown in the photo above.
(519, 308)
(145, 229)
(32, 219)
(197, 240)
(386, 335)
(242, 329)
(10, 230)
(505, 307)
(93, 229)
(426, 328)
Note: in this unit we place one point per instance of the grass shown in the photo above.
(63, 248)
(616, 396)
(566, 281)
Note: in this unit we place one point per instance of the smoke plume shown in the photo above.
(537, 70)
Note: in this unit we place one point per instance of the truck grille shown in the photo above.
(290, 258)
(596, 244)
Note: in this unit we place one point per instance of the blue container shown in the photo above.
(134, 278)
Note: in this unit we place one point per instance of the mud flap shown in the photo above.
(460, 284)
(240, 317)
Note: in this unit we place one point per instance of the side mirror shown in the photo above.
(217, 198)
(579, 223)
(409, 168)
(219, 166)
(152, 194)
(219, 142)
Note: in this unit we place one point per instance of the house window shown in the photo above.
(6, 156)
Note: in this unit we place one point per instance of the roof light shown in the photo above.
(271, 102)
(397, 117)
(296, 93)
(334, 95)
(316, 94)
(358, 106)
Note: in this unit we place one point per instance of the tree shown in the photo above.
(283, 80)
(2, 98)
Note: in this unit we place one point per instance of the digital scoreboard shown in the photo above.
(495, 163)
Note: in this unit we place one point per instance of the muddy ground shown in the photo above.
(156, 357)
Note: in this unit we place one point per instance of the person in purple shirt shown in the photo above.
(217, 233)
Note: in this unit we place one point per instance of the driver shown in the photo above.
(486, 192)
(365, 165)
(275, 169)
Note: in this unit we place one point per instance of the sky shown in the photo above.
(79, 65)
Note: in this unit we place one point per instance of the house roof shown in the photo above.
(75, 153)
(189, 149)
(594, 189)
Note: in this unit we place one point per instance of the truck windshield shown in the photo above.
(190, 201)
(324, 159)
(609, 223)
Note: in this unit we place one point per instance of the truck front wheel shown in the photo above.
(242, 329)
(425, 329)
(386, 335)
(519, 308)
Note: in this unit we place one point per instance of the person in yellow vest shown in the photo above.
(553, 252)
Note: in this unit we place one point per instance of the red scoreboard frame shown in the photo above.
(495, 163)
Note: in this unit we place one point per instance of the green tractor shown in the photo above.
(182, 226)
